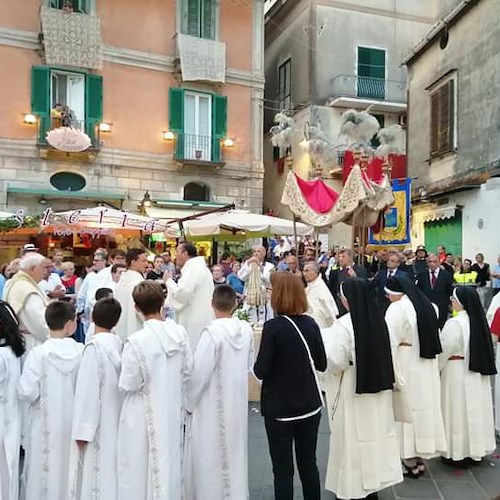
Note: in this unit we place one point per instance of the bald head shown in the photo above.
(260, 252)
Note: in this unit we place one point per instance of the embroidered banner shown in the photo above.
(71, 39)
(394, 226)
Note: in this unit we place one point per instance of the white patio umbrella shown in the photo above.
(6, 215)
(105, 218)
(242, 223)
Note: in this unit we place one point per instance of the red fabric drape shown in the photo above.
(374, 169)
(318, 195)
(495, 325)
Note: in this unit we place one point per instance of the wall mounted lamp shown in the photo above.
(228, 142)
(168, 136)
(105, 127)
(29, 118)
(146, 200)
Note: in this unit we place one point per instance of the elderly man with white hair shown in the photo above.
(322, 306)
(27, 299)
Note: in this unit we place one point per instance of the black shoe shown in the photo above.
(458, 464)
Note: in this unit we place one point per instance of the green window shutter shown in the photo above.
(192, 17)
(219, 125)
(176, 118)
(55, 4)
(371, 73)
(40, 98)
(208, 12)
(93, 104)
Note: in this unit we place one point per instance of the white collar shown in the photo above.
(435, 272)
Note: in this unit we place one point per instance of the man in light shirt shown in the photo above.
(51, 283)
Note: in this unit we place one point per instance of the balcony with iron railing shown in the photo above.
(89, 127)
(368, 88)
(198, 149)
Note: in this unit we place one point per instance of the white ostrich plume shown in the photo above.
(283, 131)
(392, 140)
(359, 126)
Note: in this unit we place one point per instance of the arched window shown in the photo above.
(193, 191)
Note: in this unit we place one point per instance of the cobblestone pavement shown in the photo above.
(441, 482)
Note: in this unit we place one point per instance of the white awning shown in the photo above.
(440, 213)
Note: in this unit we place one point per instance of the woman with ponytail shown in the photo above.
(466, 364)
(11, 350)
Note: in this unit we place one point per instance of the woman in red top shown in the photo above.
(69, 277)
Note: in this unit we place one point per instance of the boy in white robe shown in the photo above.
(11, 349)
(97, 406)
(101, 293)
(218, 401)
(467, 362)
(156, 365)
(48, 384)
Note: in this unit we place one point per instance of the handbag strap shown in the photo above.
(311, 361)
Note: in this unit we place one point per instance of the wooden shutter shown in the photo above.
(176, 118)
(442, 119)
(93, 104)
(219, 125)
(40, 98)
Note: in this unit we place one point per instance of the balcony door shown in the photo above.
(371, 73)
(197, 127)
(68, 89)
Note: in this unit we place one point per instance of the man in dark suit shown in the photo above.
(345, 269)
(437, 285)
(394, 268)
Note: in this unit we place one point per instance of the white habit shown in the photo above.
(260, 313)
(364, 453)
(156, 365)
(10, 424)
(218, 401)
(47, 384)
(191, 298)
(424, 437)
(466, 396)
(130, 320)
(96, 415)
(322, 306)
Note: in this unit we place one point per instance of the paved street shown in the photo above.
(442, 482)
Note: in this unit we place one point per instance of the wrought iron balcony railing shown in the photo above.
(198, 148)
(367, 87)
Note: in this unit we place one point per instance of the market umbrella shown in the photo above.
(241, 223)
(6, 215)
(103, 218)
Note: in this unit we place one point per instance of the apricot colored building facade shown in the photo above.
(169, 92)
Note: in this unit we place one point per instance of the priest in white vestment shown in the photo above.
(11, 350)
(130, 320)
(364, 452)
(27, 300)
(47, 384)
(218, 402)
(156, 364)
(191, 297)
(322, 305)
(97, 406)
(467, 362)
(413, 327)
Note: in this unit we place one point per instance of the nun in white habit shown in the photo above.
(413, 326)
(466, 364)
(364, 452)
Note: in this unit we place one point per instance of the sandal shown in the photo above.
(411, 472)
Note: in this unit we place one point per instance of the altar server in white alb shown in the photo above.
(156, 365)
(11, 349)
(48, 385)
(97, 408)
(218, 401)
(130, 320)
(364, 451)
(466, 364)
(191, 296)
(413, 326)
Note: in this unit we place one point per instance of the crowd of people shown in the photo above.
(132, 381)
